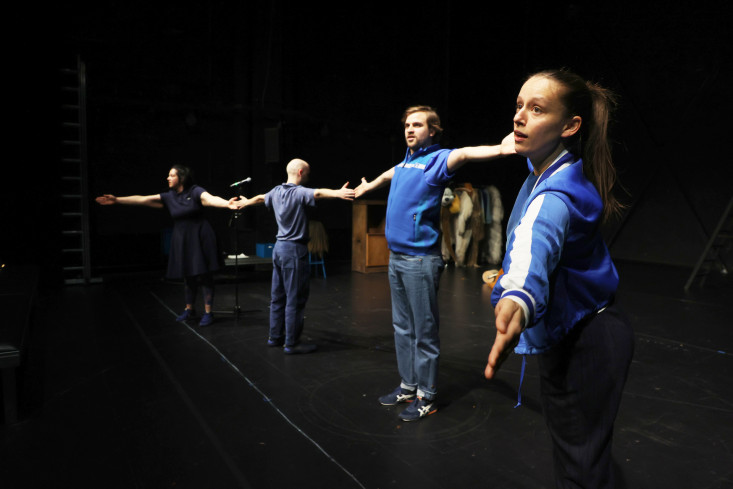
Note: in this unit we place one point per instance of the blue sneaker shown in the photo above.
(419, 409)
(186, 315)
(275, 342)
(398, 396)
(206, 319)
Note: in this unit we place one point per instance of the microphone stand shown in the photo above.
(233, 225)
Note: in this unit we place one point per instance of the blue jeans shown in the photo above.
(414, 284)
(290, 290)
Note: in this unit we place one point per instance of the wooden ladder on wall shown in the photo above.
(75, 254)
(712, 255)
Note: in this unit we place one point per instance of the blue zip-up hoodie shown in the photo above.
(556, 265)
(413, 208)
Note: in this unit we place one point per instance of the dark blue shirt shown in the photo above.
(289, 202)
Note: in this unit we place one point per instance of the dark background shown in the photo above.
(237, 89)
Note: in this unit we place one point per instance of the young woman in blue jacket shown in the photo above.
(556, 297)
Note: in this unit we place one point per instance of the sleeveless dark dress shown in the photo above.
(193, 249)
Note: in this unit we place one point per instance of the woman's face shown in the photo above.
(540, 122)
(173, 181)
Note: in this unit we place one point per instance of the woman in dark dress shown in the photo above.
(193, 251)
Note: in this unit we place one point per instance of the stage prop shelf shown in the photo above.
(369, 252)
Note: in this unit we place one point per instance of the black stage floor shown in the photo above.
(116, 394)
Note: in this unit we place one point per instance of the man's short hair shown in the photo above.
(294, 165)
(432, 117)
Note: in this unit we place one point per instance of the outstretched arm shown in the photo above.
(342, 193)
(213, 201)
(378, 182)
(245, 202)
(460, 157)
(146, 200)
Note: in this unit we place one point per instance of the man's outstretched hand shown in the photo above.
(345, 192)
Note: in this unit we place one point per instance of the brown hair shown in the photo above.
(594, 104)
(433, 119)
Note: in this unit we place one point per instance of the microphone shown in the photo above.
(248, 179)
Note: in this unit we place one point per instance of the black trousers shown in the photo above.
(581, 381)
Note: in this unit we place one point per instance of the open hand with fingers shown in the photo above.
(362, 188)
(346, 193)
(509, 324)
(106, 199)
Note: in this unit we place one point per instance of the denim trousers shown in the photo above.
(414, 284)
(290, 290)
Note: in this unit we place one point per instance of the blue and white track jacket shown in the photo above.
(557, 267)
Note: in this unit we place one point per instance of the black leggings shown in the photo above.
(190, 285)
(582, 380)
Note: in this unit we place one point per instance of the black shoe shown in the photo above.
(299, 348)
(275, 341)
(186, 315)
(206, 319)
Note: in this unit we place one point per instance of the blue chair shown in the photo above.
(317, 262)
(317, 246)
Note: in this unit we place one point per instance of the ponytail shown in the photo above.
(594, 104)
(597, 162)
